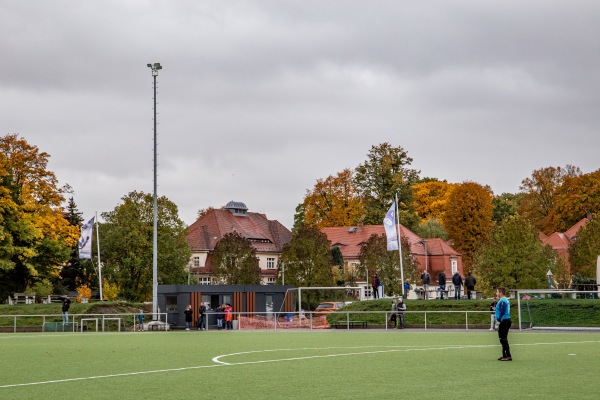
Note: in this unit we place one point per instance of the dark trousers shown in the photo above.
(503, 336)
(456, 292)
(375, 292)
(469, 290)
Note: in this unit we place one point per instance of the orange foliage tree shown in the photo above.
(430, 199)
(577, 196)
(334, 201)
(468, 219)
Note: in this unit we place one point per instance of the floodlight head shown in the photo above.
(154, 67)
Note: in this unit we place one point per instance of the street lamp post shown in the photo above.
(155, 68)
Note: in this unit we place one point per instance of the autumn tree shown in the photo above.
(375, 256)
(307, 261)
(430, 198)
(577, 196)
(514, 258)
(127, 245)
(36, 239)
(539, 195)
(468, 219)
(235, 261)
(381, 177)
(334, 201)
(584, 252)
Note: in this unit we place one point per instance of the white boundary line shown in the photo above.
(220, 363)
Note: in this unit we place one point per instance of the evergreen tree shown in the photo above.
(73, 274)
(584, 252)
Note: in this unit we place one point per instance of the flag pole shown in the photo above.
(99, 263)
(399, 247)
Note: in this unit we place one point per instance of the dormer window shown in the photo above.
(237, 208)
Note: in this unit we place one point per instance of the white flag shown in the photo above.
(389, 223)
(85, 241)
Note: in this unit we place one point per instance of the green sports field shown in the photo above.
(355, 364)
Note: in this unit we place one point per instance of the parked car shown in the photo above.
(328, 306)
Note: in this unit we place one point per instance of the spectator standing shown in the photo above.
(406, 288)
(189, 313)
(493, 315)
(140, 317)
(228, 317)
(425, 280)
(442, 283)
(66, 303)
(202, 317)
(393, 319)
(375, 283)
(503, 317)
(220, 316)
(470, 284)
(401, 309)
(457, 282)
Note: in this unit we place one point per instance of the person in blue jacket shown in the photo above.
(503, 318)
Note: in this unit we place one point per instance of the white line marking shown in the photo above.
(223, 364)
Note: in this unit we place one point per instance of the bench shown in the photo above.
(350, 324)
(52, 298)
(22, 298)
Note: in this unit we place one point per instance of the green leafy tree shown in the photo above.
(127, 246)
(432, 228)
(375, 256)
(584, 252)
(308, 261)
(235, 262)
(513, 257)
(505, 205)
(338, 261)
(299, 221)
(468, 219)
(384, 174)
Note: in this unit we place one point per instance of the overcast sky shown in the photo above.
(259, 99)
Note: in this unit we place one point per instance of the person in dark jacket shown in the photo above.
(375, 283)
(457, 282)
(66, 303)
(470, 284)
(220, 314)
(189, 314)
(442, 283)
(202, 317)
(425, 280)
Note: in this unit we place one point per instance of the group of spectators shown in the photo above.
(457, 280)
(224, 314)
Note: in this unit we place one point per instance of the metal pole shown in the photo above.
(99, 262)
(399, 247)
(155, 67)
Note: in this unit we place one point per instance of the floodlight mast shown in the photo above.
(155, 67)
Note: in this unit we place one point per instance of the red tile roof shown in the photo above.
(265, 235)
(350, 239)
